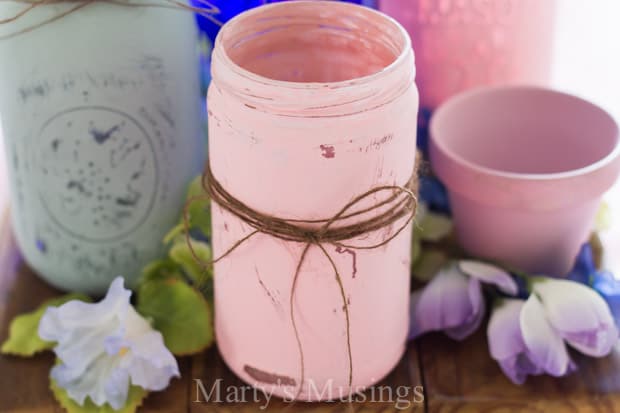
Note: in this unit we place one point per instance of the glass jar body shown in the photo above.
(101, 119)
(303, 151)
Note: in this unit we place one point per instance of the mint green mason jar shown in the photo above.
(101, 118)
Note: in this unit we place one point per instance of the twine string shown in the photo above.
(209, 11)
(400, 204)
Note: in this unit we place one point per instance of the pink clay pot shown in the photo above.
(525, 170)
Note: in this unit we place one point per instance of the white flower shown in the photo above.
(105, 347)
(579, 315)
(507, 344)
(544, 344)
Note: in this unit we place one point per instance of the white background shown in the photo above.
(587, 63)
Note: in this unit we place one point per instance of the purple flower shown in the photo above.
(453, 302)
(578, 314)
(506, 343)
(544, 345)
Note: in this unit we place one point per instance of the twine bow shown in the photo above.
(400, 204)
(209, 11)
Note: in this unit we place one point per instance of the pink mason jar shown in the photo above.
(311, 105)
(461, 44)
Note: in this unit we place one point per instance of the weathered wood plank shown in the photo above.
(461, 377)
(210, 367)
(23, 382)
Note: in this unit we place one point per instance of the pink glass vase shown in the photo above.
(461, 44)
(311, 104)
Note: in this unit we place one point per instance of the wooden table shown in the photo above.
(456, 377)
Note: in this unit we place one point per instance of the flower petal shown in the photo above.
(584, 265)
(545, 346)
(504, 330)
(490, 274)
(444, 302)
(150, 364)
(414, 328)
(579, 314)
(116, 388)
(473, 321)
(105, 347)
(79, 328)
(518, 367)
(92, 383)
(506, 343)
(58, 320)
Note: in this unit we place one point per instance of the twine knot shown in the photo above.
(399, 205)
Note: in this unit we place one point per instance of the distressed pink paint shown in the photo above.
(353, 254)
(524, 195)
(461, 44)
(327, 151)
(289, 78)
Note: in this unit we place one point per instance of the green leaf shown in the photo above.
(603, 219)
(198, 211)
(200, 208)
(428, 265)
(24, 337)
(161, 270)
(179, 312)
(175, 232)
(181, 254)
(416, 249)
(434, 227)
(135, 397)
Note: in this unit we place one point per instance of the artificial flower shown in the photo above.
(608, 286)
(105, 347)
(603, 282)
(490, 274)
(424, 118)
(434, 193)
(584, 267)
(453, 302)
(506, 343)
(545, 346)
(578, 314)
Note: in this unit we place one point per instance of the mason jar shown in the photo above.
(311, 104)
(100, 113)
(463, 44)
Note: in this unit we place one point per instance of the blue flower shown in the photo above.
(584, 266)
(434, 194)
(424, 117)
(603, 282)
(609, 287)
